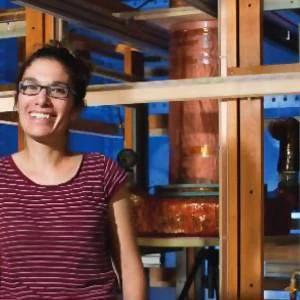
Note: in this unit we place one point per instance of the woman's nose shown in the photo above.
(42, 97)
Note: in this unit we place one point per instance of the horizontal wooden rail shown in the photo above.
(245, 86)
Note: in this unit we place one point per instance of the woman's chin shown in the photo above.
(42, 135)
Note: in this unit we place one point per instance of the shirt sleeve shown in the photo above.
(114, 176)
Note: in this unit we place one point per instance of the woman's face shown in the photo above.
(45, 112)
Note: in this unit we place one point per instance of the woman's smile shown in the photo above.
(43, 116)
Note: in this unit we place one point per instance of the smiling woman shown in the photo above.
(44, 103)
(64, 216)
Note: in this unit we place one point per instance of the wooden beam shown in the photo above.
(12, 29)
(34, 30)
(6, 104)
(161, 13)
(49, 28)
(39, 30)
(202, 88)
(251, 158)
(166, 18)
(185, 89)
(228, 158)
(264, 69)
(136, 127)
(7, 89)
(12, 15)
(129, 135)
(7, 97)
(98, 16)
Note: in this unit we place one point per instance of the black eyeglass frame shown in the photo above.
(47, 88)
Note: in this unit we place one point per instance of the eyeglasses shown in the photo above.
(57, 90)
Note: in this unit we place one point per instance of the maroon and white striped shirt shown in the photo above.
(54, 241)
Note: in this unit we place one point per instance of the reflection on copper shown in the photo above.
(157, 216)
(193, 125)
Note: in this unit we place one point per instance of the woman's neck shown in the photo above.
(47, 165)
(39, 153)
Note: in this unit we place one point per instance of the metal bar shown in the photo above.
(142, 36)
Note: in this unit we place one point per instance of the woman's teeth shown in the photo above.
(40, 115)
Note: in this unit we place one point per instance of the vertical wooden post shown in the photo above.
(128, 121)
(228, 158)
(136, 117)
(251, 158)
(241, 214)
(39, 30)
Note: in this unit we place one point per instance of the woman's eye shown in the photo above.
(30, 87)
(58, 90)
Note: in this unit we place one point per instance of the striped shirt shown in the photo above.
(53, 239)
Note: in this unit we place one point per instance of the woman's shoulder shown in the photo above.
(102, 162)
(4, 160)
(5, 165)
(97, 157)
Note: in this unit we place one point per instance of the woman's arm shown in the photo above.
(125, 251)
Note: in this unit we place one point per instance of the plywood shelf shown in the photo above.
(166, 18)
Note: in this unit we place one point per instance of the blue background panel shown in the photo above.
(8, 139)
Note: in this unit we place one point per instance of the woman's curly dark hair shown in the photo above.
(77, 69)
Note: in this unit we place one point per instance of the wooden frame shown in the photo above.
(240, 131)
(251, 203)
(228, 162)
(219, 88)
(136, 127)
(186, 89)
(162, 14)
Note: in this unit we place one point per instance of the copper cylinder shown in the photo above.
(193, 125)
(178, 3)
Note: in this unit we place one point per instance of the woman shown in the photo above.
(63, 215)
